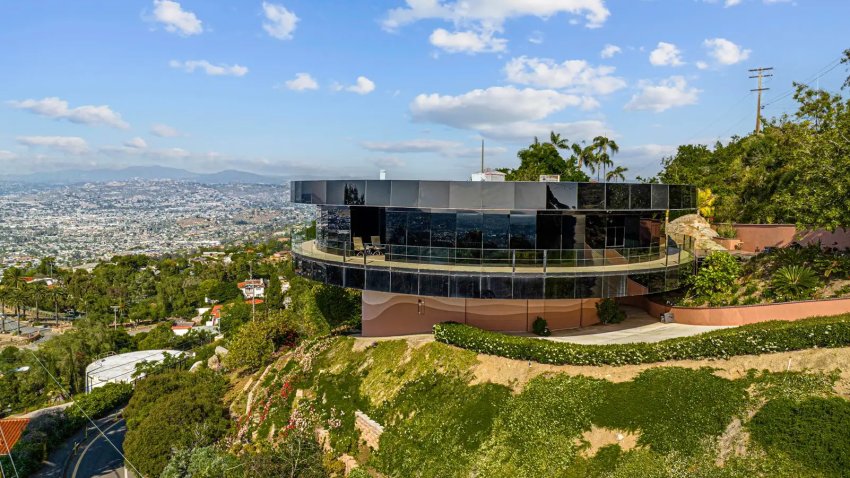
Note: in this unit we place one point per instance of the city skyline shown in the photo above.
(298, 88)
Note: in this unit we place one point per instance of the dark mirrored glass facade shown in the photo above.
(510, 240)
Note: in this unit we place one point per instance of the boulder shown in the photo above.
(221, 351)
(196, 366)
(214, 363)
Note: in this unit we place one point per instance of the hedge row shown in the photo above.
(754, 339)
(48, 431)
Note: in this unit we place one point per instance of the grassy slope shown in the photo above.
(442, 421)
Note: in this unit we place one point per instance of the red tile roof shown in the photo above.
(256, 301)
(216, 311)
(11, 428)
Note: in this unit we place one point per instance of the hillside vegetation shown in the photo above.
(443, 415)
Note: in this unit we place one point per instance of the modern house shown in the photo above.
(252, 288)
(495, 255)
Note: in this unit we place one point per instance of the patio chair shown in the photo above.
(377, 248)
(359, 248)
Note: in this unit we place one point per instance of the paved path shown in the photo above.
(55, 464)
(638, 327)
(98, 458)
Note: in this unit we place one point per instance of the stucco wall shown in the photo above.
(755, 237)
(386, 314)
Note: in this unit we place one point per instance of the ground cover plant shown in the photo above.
(765, 337)
(442, 420)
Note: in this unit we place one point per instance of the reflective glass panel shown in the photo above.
(465, 195)
(523, 230)
(404, 282)
(465, 286)
(659, 196)
(377, 279)
(443, 227)
(548, 230)
(496, 287)
(378, 193)
(469, 230)
(617, 196)
(404, 193)
(335, 192)
(561, 195)
(434, 285)
(354, 277)
(528, 287)
(498, 195)
(355, 192)
(641, 196)
(434, 194)
(418, 228)
(528, 195)
(591, 196)
(560, 287)
(676, 196)
(496, 231)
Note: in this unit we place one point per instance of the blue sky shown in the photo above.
(345, 88)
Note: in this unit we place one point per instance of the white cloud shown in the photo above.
(66, 144)
(363, 86)
(58, 108)
(583, 130)
(731, 3)
(388, 162)
(467, 41)
(412, 146)
(668, 93)
(609, 50)
(302, 82)
(666, 54)
(725, 52)
(164, 131)
(208, 68)
(493, 13)
(7, 155)
(702, 65)
(536, 37)
(175, 19)
(136, 143)
(576, 75)
(280, 22)
(497, 112)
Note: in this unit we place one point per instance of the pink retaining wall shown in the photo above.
(745, 314)
(755, 237)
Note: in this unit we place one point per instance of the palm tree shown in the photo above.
(604, 148)
(583, 156)
(4, 292)
(36, 293)
(15, 298)
(557, 141)
(616, 173)
(57, 294)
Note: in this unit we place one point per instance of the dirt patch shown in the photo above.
(733, 442)
(516, 373)
(413, 341)
(598, 437)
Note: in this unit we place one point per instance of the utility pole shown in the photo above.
(482, 158)
(759, 73)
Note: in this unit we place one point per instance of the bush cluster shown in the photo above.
(765, 337)
(609, 312)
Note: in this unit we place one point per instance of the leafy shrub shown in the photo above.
(794, 283)
(359, 473)
(255, 342)
(811, 431)
(99, 401)
(753, 339)
(716, 275)
(609, 312)
(726, 231)
(540, 327)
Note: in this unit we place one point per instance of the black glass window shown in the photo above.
(354, 277)
(523, 230)
(443, 227)
(418, 228)
(469, 226)
(334, 274)
(465, 286)
(355, 193)
(548, 230)
(617, 196)
(528, 287)
(568, 231)
(496, 231)
(594, 231)
(404, 282)
(496, 287)
(659, 196)
(317, 192)
(378, 193)
(641, 196)
(436, 285)
(676, 196)
(591, 196)
(615, 231)
(378, 279)
(434, 194)
(560, 287)
(561, 195)
(335, 192)
(396, 226)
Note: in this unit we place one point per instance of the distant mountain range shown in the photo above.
(71, 176)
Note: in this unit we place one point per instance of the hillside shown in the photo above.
(449, 412)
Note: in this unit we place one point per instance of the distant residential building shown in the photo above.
(253, 288)
(284, 284)
(488, 175)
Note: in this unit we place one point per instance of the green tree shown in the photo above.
(794, 283)
(617, 173)
(603, 148)
(544, 158)
(716, 276)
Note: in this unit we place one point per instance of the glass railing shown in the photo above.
(676, 252)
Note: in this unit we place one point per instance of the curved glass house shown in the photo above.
(493, 254)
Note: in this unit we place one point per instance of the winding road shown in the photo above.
(98, 458)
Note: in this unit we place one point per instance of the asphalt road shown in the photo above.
(100, 459)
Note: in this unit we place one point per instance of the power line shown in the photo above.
(117, 450)
(818, 75)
